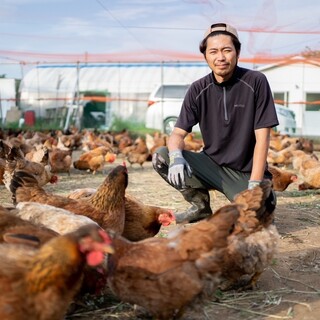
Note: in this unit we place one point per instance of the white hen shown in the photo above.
(57, 219)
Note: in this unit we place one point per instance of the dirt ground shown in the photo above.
(288, 289)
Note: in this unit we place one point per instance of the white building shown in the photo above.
(7, 96)
(295, 83)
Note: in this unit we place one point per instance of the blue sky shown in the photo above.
(274, 27)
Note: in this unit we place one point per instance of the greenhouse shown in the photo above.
(100, 91)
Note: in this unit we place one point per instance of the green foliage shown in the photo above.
(12, 125)
(40, 125)
(119, 124)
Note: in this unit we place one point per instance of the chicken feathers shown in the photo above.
(41, 283)
(253, 243)
(105, 208)
(164, 275)
(34, 234)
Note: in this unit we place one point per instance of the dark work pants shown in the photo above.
(209, 175)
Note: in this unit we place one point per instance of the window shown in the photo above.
(314, 98)
(281, 98)
(172, 91)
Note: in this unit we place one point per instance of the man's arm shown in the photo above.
(260, 153)
(176, 139)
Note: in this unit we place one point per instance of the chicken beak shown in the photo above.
(108, 248)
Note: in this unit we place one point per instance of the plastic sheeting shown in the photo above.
(129, 84)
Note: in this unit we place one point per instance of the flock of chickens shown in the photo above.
(55, 249)
(292, 159)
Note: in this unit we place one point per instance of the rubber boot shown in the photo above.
(200, 206)
(199, 198)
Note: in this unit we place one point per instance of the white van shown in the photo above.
(165, 102)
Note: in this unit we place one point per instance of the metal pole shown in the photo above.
(79, 113)
(162, 94)
(1, 109)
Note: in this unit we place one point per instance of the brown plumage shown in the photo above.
(138, 158)
(308, 166)
(39, 154)
(311, 178)
(144, 221)
(41, 283)
(81, 193)
(284, 156)
(281, 141)
(37, 234)
(281, 178)
(15, 161)
(91, 140)
(191, 143)
(154, 142)
(62, 222)
(106, 207)
(94, 160)
(253, 243)
(303, 161)
(60, 160)
(138, 152)
(141, 220)
(164, 275)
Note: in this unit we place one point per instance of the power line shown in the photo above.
(122, 25)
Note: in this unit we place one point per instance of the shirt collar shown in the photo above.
(232, 80)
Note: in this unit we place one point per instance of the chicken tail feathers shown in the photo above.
(266, 215)
(4, 149)
(19, 180)
(261, 200)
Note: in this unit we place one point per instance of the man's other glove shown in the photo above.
(178, 166)
(253, 183)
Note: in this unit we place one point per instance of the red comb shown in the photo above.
(54, 179)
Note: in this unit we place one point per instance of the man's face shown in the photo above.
(221, 56)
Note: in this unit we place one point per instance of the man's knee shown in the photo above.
(160, 158)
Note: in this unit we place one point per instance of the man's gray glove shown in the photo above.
(178, 166)
(253, 183)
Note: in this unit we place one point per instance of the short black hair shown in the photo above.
(235, 41)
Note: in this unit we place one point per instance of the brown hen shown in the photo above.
(62, 222)
(284, 156)
(156, 141)
(94, 160)
(60, 160)
(144, 221)
(281, 178)
(164, 275)
(253, 243)
(106, 207)
(311, 178)
(141, 220)
(138, 153)
(15, 161)
(41, 283)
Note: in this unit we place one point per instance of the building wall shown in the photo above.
(298, 79)
(7, 96)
